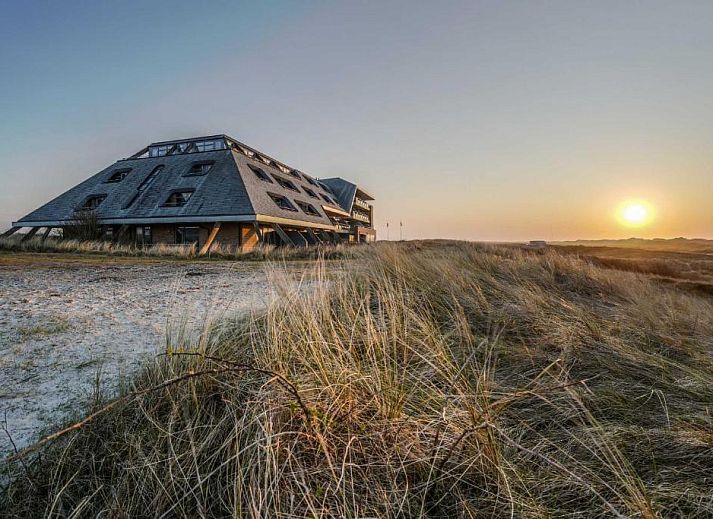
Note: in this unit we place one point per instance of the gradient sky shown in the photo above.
(473, 120)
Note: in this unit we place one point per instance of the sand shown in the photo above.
(64, 321)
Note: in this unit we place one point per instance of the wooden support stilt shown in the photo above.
(314, 236)
(283, 235)
(258, 231)
(210, 240)
(45, 234)
(120, 233)
(10, 232)
(30, 234)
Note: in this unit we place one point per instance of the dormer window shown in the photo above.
(310, 180)
(282, 202)
(260, 174)
(287, 184)
(178, 199)
(92, 202)
(118, 175)
(310, 192)
(200, 168)
(307, 208)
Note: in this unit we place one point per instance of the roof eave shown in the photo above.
(184, 219)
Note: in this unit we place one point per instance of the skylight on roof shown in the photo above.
(310, 180)
(92, 202)
(200, 168)
(178, 198)
(118, 175)
(259, 173)
(282, 202)
(310, 192)
(144, 185)
(307, 208)
(287, 184)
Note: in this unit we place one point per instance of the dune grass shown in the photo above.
(455, 380)
(162, 250)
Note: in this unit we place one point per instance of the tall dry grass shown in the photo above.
(448, 381)
(162, 250)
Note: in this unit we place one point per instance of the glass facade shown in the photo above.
(187, 235)
(144, 235)
(186, 147)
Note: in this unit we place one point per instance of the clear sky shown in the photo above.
(473, 120)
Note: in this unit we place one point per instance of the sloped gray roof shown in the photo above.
(229, 189)
(343, 190)
(258, 191)
(219, 192)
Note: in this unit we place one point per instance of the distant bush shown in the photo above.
(84, 226)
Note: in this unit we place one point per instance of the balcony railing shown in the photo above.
(358, 202)
(361, 216)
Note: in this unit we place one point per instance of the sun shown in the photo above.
(635, 213)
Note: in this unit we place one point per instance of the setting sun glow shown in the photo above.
(635, 213)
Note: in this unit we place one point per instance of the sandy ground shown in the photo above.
(66, 320)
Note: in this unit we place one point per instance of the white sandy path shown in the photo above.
(102, 317)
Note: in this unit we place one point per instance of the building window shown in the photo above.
(295, 173)
(307, 208)
(159, 151)
(145, 184)
(144, 235)
(119, 175)
(148, 180)
(187, 235)
(178, 199)
(327, 199)
(310, 180)
(186, 147)
(200, 168)
(210, 145)
(287, 184)
(310, 192)
(92, 202)
(260, 174)
(282, 202)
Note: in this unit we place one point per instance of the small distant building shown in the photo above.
(208, 190)
(537, 244)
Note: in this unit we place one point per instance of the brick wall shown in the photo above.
(163, 233)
